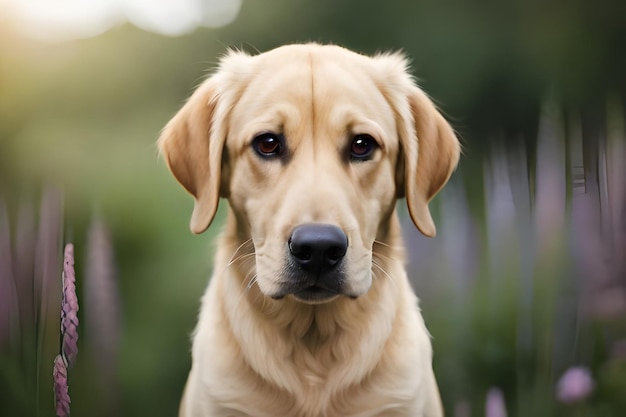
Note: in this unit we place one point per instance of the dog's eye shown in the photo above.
(267, 144)
(362, 147)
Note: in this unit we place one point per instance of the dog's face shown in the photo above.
(312, 145)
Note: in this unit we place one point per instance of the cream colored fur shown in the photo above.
(364, 355)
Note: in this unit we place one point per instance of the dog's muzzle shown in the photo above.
(316, 254)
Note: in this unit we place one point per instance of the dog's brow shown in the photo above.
(275, 120)
(346, 118)
(372, 128)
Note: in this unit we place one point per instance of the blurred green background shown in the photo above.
(526, 278)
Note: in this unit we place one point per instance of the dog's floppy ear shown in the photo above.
(428, 165)
(192, 145)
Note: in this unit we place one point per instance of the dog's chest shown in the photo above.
(323, 390)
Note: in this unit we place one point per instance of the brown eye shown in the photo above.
(362, 147)
(267, 144)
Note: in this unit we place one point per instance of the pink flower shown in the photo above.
(69, 334)
(494, 406)
(69, 310)
(61, 396)
(575, 385)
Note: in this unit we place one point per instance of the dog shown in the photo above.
(309, 312)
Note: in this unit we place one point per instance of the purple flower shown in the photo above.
(61, 396)
(69, 310)
(575, 385)
(494, 406)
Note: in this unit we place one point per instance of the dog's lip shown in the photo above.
(315, 293)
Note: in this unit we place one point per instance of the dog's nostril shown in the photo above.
(335, 253)
(318, 247)
(300, 251)
(303, 254)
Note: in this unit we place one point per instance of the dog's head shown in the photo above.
(312, 145)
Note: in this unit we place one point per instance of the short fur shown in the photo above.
(368, 354)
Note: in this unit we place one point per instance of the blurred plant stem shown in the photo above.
(32, 296)
(47, 268)
(102, 312)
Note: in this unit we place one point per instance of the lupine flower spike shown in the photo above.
(69, 310)
(61, 396)
(69, 335)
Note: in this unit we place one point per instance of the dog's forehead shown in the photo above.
(306, 86)
(316, 73)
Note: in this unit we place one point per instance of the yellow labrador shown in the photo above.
(309, 312)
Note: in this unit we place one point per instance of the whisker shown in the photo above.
(382, 255)
(374, 263)
(234, 258)
(237, 259)
(248, 286)
(252, 282)
(252, 273)
(378, 242)
(239, 248)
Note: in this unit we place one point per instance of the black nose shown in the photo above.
(318, 247)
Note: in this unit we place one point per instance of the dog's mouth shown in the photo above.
(312, 293)
(315, 294)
